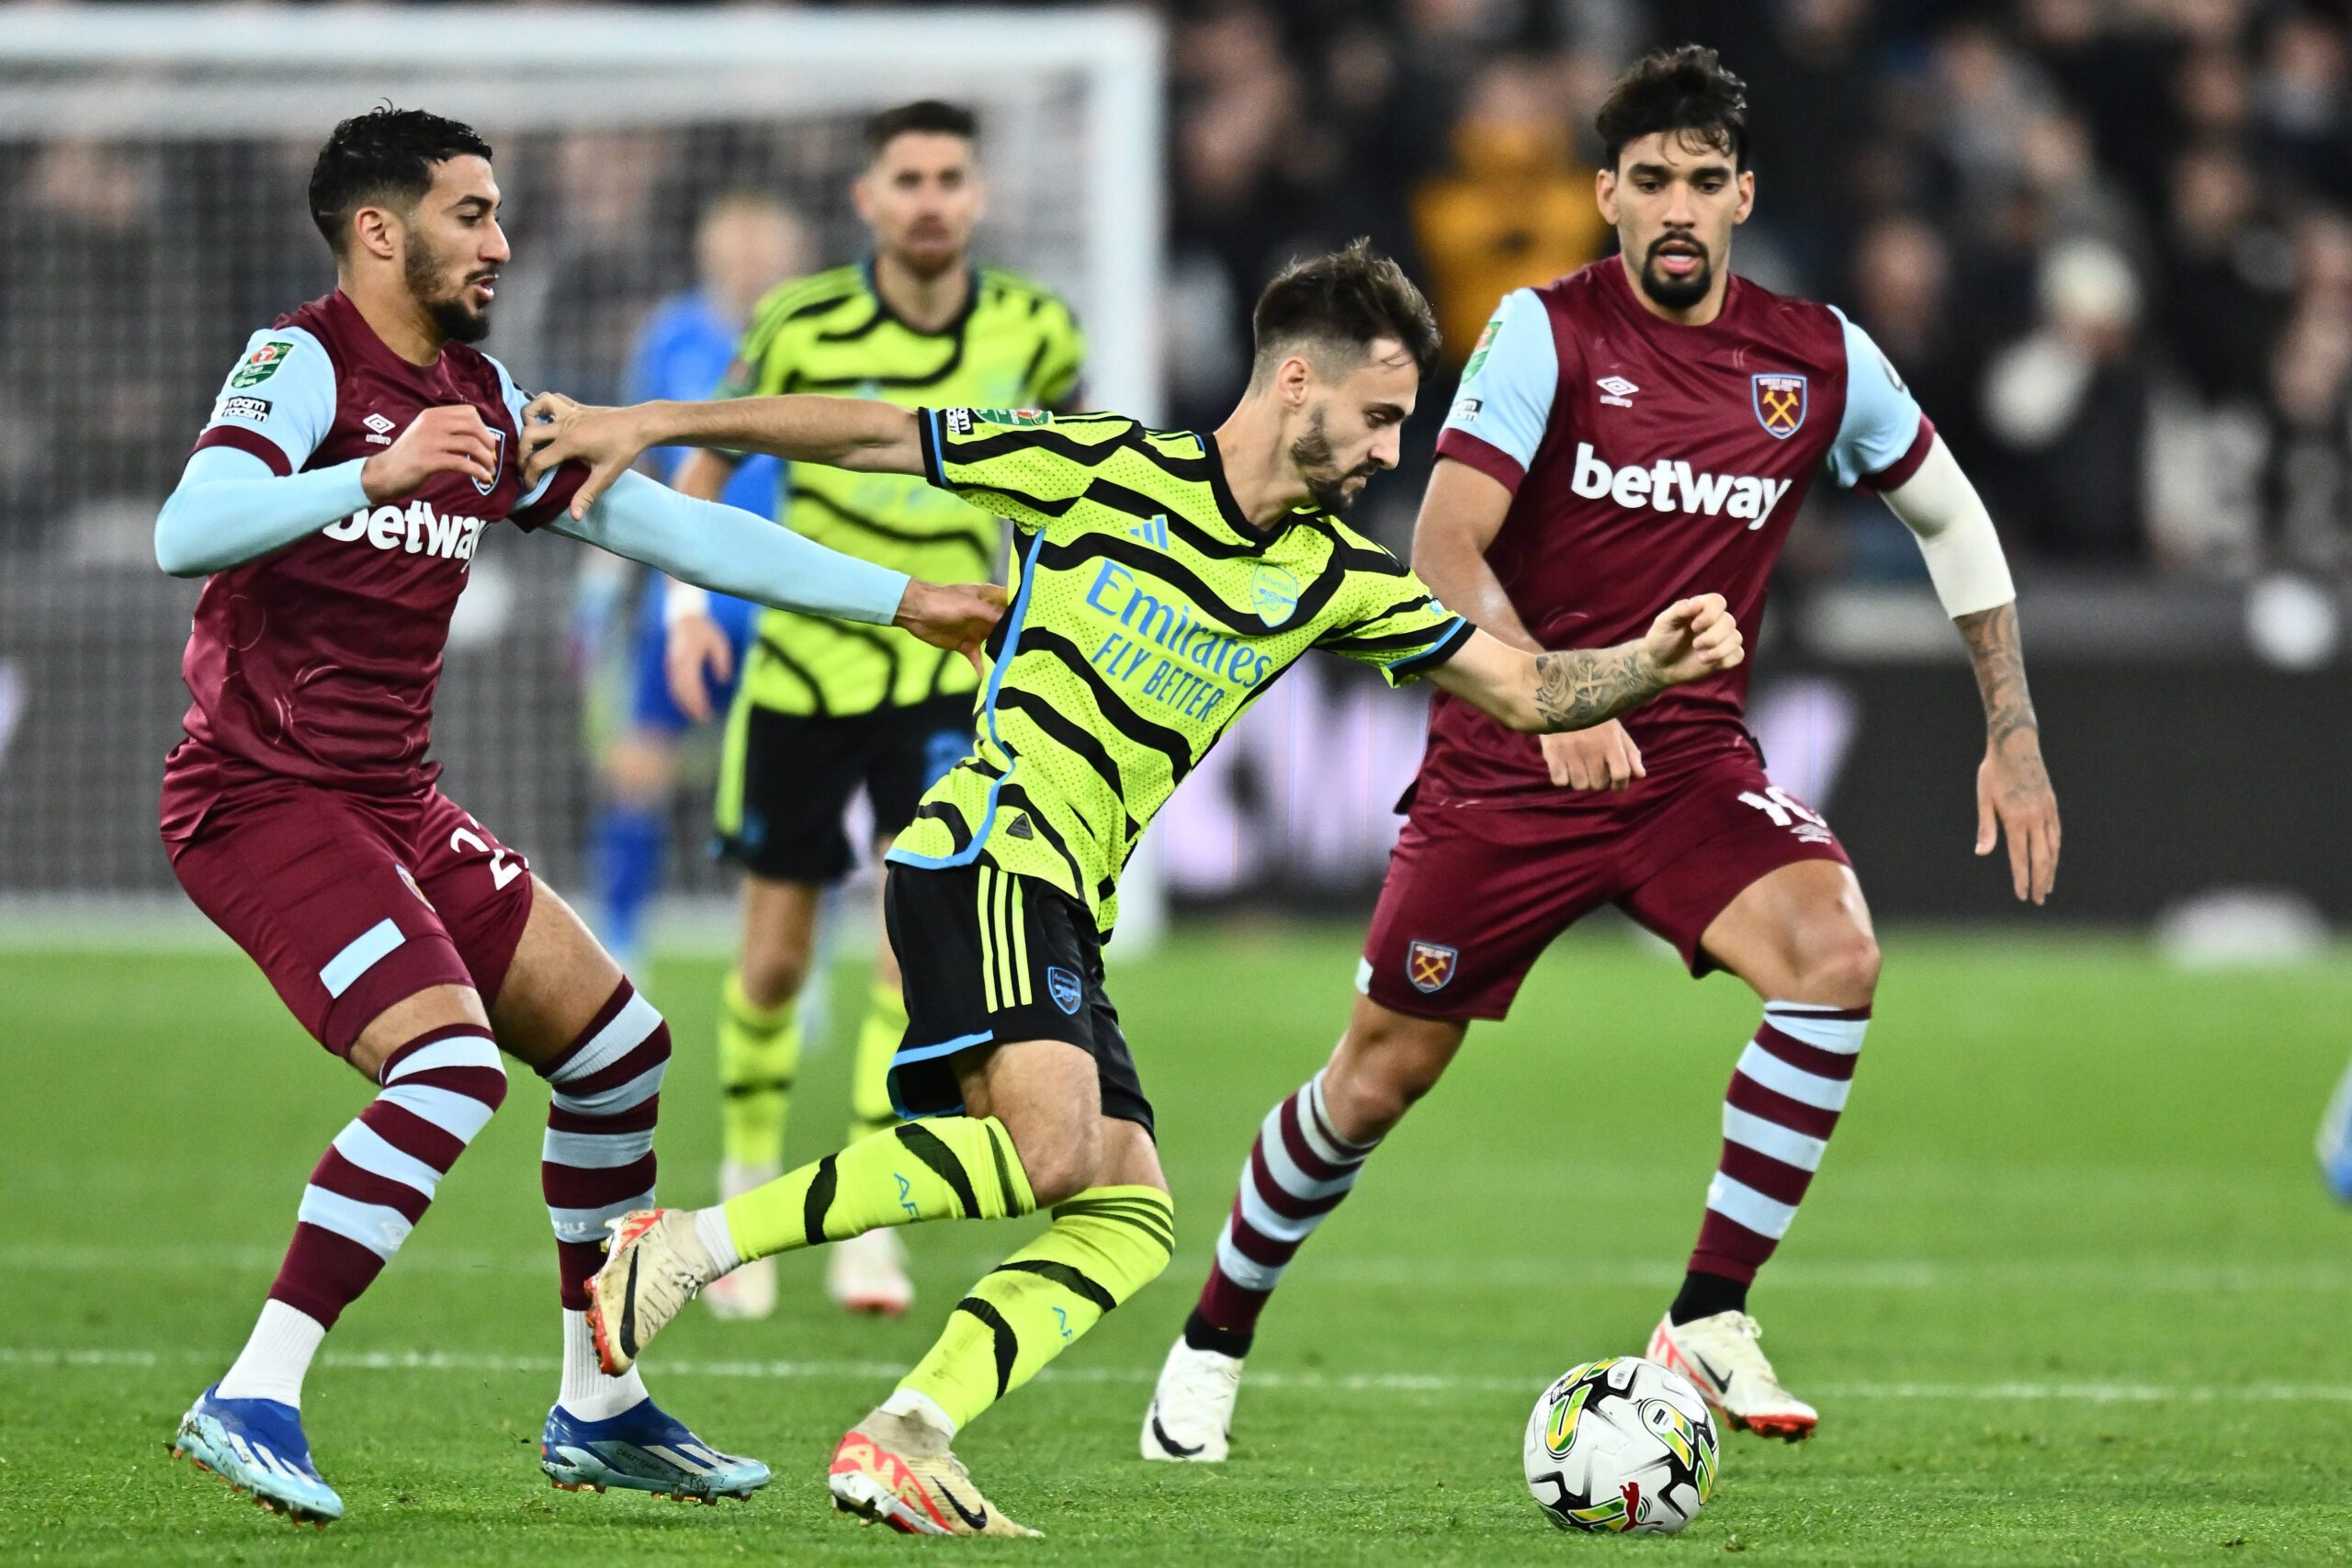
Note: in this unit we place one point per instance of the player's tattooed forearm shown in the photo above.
(1581, 688)
(1994, 649)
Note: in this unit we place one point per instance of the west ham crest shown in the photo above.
(1429, 967)
(498, 467)
(1780, 403)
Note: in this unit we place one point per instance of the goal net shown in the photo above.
(152, 168)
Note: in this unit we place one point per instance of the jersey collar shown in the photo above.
(953, 329)
(1237, 522)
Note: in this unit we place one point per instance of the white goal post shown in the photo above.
(211, 114)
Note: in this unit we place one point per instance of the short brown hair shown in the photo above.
(928, 116)
(1344, 300)
(1685, 90)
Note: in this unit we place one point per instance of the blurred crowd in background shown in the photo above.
(2107, 241)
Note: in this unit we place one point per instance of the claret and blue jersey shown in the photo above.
(1648, 461)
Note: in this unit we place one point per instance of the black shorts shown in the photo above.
(993, 958)
(780, 811)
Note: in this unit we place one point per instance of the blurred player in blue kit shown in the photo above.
(745, 245)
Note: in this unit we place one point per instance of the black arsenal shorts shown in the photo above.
(788, 780)
(992, 958)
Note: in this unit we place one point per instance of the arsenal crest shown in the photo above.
(1429, 967)
(1063, 988)
(1780, 403)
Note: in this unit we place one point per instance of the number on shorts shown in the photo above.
(1783, 808)
(501, 870)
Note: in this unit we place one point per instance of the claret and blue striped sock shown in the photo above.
(368, 1191)
(1783, 1103)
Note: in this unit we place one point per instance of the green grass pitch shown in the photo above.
(2067, 1290)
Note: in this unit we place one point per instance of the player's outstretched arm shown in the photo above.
(731, 551)
(1577, 688)
(840, 432)
(1972, 578)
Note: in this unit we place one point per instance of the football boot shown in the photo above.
(898, 1470)
(1190, 1414)
(257, 1446)
(656, 1263)
(1720, 1357)
(643, 1448)
(868, 1273)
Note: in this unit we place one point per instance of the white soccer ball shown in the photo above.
(1622, 1446)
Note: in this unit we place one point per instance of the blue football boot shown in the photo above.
(645, 1450)
(257, 1446)
(2335, 1140)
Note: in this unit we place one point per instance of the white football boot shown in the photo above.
(1720, 1357)
(1190, 1415)
(868, 1273)
(654, 1266)
(749, 1293)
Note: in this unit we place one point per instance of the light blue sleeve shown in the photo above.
(1510, 382)
(282, 390)
(731, 551)
(231, 508)
(1882, 417)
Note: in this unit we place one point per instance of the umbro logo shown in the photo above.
(379, 429)
(1617, 391)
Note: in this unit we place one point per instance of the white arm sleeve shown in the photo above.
(1955, 533)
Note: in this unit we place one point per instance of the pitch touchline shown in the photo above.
(1434, 1382)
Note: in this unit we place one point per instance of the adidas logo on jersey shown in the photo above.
(1152, 532)
(1670, 485)
(416, 528)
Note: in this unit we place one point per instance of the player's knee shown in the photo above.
(1062, 1167)
(1844, 969)
(1378, 1074)
(771, 976)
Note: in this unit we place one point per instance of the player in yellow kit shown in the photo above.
(821, 710)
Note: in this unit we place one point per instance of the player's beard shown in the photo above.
(1318, 466)
(458, 321)
(1677, 293)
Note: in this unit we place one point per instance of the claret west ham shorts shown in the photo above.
(1476, 893)
(992, 958)
(351, 902)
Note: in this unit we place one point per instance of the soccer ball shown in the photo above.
(1622, 1446)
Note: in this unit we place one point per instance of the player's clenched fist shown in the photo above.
(438, 441)
(958, 615)
(1693, 639)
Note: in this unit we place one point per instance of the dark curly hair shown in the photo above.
(384, 155)
(1685, 90)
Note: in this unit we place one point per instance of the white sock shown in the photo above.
(923, 1407)
(587, 1392)
(272, 1361)
(710, 1229)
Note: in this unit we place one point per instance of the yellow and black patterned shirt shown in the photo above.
(1016, 344)
(1147, 616)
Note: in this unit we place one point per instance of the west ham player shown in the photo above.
(1642, 425)
(337, 496)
